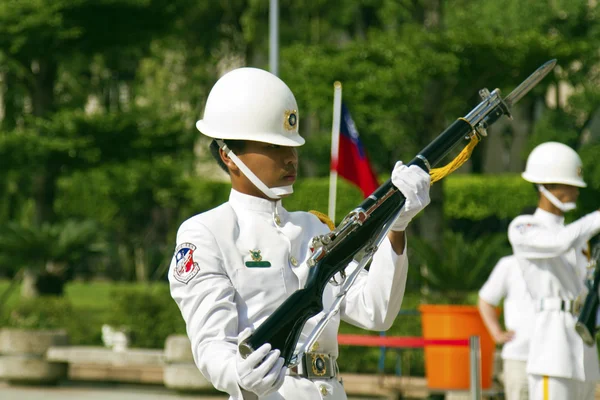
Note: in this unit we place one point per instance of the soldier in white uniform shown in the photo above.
(506, 282)
(552, 256)
(235, 264)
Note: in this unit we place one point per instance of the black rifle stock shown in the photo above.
(282, 328)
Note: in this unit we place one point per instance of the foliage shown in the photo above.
(476, 197)
(469, 197)
(148, 313)
(460, 268)
(379, 76)
(588, 199)
(41, 313)
(98, 123)
(71, 243)
(32, 28)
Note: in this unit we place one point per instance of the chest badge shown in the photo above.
(257, 261)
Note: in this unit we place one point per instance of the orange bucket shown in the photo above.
(447, 367)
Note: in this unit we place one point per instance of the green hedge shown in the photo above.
(147, 311)
(466, 196)
(477, 197)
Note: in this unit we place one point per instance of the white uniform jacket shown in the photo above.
(220, 292)
(552, 257)
(506, 282)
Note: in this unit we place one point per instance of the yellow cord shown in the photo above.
(324, 218)
(465, 154)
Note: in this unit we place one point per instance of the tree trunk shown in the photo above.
(431, 223)
(44, 192)
(141, 267)
(42, 97)
(521, 127)
(29, 287)
(495, 151)
(42, 91)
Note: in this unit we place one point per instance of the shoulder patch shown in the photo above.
(522, 228)
(186, 268)
(323, 218)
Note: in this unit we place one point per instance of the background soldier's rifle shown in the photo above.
(586, 322)
(362, 230)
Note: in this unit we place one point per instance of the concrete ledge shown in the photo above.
(104, 356)
(113, 373)
(185, 377)
(31, 369)
(178, 349)
(27, 341)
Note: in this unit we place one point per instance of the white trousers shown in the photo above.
(516, 386)
(552, 388)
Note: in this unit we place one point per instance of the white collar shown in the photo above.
(549, 217)
(241, 201)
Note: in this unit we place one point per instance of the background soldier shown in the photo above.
(506, 282)
(553, 258)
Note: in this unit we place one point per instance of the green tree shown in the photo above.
(51, 251)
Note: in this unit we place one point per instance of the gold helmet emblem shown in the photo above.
(290, 120)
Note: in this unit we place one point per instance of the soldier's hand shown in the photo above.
(414, 184)
(262, 372)
(504, 336)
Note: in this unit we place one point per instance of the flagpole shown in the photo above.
(335, 144)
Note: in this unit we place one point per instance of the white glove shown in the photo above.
(263, 371)
(414, 184)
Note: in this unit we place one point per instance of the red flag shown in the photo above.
(352, 162)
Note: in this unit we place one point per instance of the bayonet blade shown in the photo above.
(529, 83)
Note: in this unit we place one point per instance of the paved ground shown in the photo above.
(96, 392)
(101, 392)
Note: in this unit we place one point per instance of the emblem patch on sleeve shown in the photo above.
(522, 228)
(186, 268)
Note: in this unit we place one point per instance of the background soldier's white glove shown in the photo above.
(414, 184)
(263, 371)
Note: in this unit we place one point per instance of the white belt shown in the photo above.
(558, 304)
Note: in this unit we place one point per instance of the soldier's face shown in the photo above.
(274, 165)
(565, 193)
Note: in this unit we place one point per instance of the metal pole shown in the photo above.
(475, 367)
(274, 37)
(335, 144)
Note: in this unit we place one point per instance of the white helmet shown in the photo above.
(554, 162)
(251, 104)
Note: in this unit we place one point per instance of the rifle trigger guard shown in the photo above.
(335, 282)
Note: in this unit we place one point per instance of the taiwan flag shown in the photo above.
(352, 162)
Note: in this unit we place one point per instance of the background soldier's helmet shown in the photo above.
(554, 162)
(251, 104)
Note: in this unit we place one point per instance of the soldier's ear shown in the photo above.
(228, 161)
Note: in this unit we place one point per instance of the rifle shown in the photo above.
(586, 321)
(363, 229)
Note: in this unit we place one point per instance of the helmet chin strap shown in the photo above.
(564, 207)
(275, 193)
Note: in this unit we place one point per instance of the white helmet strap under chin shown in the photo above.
(275, 193)
(564, 207)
